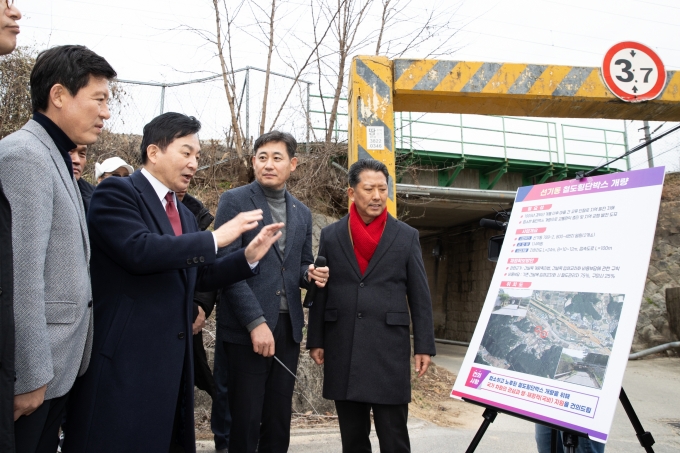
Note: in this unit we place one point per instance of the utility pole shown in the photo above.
(162, 98)
(650, 156)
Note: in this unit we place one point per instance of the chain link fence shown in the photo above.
(137, 102)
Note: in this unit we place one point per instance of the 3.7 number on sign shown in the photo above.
(633, 72)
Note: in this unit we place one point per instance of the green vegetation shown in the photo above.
(479, 359)
(596, 359)
(525, 325)
(566, 364)
(614, 309)
(584, 304)
(499, 337)
(501, 342)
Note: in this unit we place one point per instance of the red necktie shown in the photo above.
(173, 214)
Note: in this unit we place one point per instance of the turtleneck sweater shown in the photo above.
(276, 199)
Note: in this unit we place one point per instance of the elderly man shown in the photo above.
(9, 29)
(360, 330)
(79, 160)
(148, 258)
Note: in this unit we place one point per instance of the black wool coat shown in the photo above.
(363, 322)
(6, 329)
(86, 191)
(203, 378)
(143, 282)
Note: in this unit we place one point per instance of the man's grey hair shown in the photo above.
(365, 164)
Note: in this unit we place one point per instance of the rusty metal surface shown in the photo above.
(443, 86)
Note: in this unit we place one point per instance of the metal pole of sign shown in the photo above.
(625, 144)
(650, 156)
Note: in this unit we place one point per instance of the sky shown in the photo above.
(163, 41)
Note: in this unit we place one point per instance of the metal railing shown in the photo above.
(336, 125)
(607, 148)
(407, 140)
(511, 137)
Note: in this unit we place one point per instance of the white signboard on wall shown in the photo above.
(555, 331)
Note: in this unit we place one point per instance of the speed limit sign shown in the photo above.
(633, 72)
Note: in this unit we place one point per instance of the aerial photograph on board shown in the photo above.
(560, 335)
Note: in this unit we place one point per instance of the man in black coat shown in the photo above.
(78, 161)
(148, 258)
(8, 41)
(360, 330)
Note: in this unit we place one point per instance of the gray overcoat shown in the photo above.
(52, 294)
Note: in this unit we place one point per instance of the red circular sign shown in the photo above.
(633, 72)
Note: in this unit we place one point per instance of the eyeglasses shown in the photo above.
(10, 3)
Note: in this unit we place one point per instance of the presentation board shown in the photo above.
(555, 331)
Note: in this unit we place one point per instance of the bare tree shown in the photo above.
(270, 50)
(384, 18)
(228, 76)
(304, 66)
(437, 25)
(398, 33)
(349, 16)
(15, 95)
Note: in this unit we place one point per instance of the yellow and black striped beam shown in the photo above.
(521, 90)
(371, 117)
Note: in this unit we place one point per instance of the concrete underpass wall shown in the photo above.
(459, 279)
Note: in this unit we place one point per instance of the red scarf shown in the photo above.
(365, 238)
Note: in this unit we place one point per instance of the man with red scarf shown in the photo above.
(360, 330)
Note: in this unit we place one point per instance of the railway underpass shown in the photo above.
(449, 171)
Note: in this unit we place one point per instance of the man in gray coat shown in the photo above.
(360, 330)
(262, 317)
(52, 294)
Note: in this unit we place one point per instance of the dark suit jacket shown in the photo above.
(86, 191)
(363, 323)
(143, 280)
(6, 328)
(243, 302)
(203, 378)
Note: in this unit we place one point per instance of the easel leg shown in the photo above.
(570, 442)
(645, 437)
(489, 416)
(553, 440)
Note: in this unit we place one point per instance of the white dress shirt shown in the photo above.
(162, 191)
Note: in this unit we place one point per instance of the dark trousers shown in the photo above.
(203, 377)
(390, 426)
(220, 419)
(39, 432)
(261, 393)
